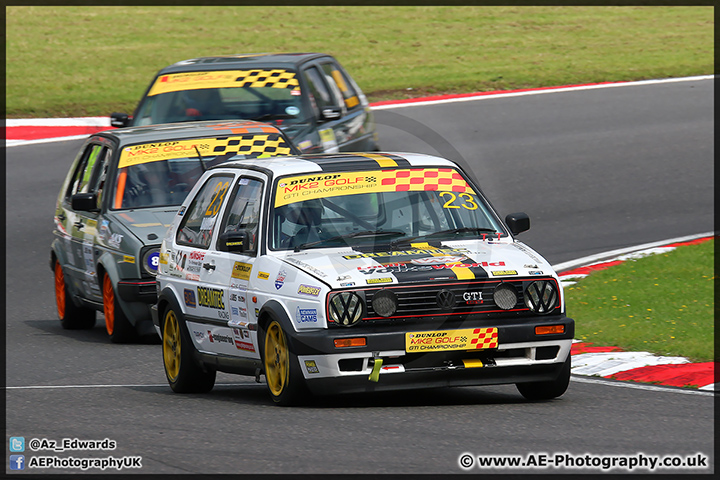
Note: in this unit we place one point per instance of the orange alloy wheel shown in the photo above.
(59, 290)
(109, 304)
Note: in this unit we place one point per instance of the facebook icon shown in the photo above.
(17, 462)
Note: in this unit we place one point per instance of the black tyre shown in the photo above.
(71, 316)
(282, 371)
(549, 389)
(117, 324)
(183, 373)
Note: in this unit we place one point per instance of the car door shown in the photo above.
(354, 130)
(228, 270)
(328, 108)
(82, 223)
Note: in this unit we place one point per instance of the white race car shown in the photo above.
(344, 273)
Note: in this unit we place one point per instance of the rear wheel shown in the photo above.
(71, 316)
(183, 374)
(117, 324)
(547, 390)
(282, 373)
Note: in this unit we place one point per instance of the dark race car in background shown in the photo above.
(120, 195)
(308, 95)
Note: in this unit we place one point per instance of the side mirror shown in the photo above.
(234, 241)
(331, 113)
(119, 120)
(84, 202)
(518, 222)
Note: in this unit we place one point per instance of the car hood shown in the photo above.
(149, 224)
(447, 262)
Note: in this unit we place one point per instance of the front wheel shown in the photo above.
(282, 373)
(117, 324)
(71, 316)
(183, 374)
(549, 389)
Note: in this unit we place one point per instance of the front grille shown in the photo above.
(445, 299)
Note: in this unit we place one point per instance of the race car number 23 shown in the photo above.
(468, 200)
(217, 199)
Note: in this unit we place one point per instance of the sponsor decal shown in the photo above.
(211, 298)
(128, 259)
(347, 284)
(263, 275)
(104, 230)
(207, 224)
(241, 271)
(305, 144)
(309, 290)
(535, 272)
(311, 366)
(501, 273)
(280, 279)
(192, 276)
(396, 180)
(372, 281)
(190, 300)
(164, 258)
(473, 298)
(195, 255)
(257, 312)
(199, 335)
(115, 240)
(465, 339)
(181, 212)
(219, 338)
(305, 315)
(400, 253)
(438, 260)
(315, 271)
(243, 340)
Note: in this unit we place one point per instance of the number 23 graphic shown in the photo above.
(468, 201)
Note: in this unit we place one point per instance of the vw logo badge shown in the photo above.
(445, 299)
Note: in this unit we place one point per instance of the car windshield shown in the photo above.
(268, 95)
(163, 173)
(393, 207)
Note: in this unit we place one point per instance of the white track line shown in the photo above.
(640, 386)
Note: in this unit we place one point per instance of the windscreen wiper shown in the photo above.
(449, 231)
(364, 233)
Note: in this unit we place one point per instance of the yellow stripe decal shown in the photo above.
(382, 160)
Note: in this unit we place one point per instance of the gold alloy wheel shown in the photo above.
(276, 358)
(59, 290)
(171, 345)
(109, 304)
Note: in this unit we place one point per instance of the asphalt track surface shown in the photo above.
(596, 170)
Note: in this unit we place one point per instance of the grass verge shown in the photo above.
(662, 304)
(91, 60)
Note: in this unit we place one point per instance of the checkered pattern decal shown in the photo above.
(256, 78)
(251, 145)
(349, 183)
(484, 338)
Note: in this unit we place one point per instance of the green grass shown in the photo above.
(663, 304)
(85, 60)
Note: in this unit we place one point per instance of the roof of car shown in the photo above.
(241, 61)
(335, 162)
(185, 130)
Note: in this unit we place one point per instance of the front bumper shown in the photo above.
(144, 291)
(384, 364)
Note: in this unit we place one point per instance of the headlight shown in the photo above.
(385, 303)
(541, 297)
(346, 308)
(151, 260)
(505, 296)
